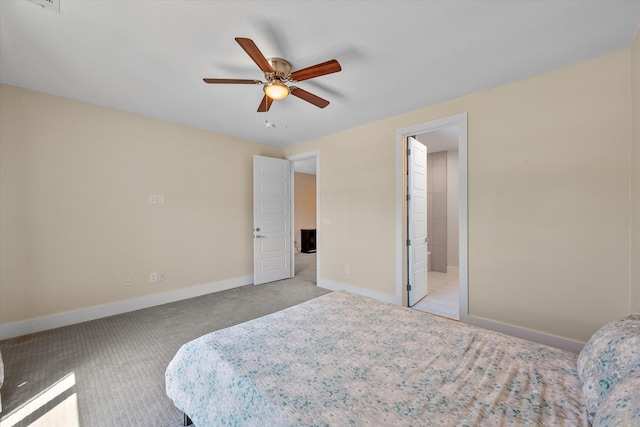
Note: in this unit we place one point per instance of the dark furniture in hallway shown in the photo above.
(308, 240)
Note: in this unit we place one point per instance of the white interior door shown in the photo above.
(417, 220)
(271, 219)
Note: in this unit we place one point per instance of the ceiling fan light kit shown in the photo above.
(276, 90)
(277, 72)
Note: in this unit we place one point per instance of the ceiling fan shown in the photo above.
(277, 72)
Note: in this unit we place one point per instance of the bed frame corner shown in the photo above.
(186, 420)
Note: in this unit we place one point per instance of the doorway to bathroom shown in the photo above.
(445, 271)
(442, 260)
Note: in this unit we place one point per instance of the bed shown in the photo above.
(344, 359)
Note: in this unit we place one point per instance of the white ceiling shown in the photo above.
(307, 166)
(149, 57)
(443, 139)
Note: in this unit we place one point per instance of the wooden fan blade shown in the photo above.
(233, 81)
(265, 104)
(309, 97)
(318, 70)
(252, 50)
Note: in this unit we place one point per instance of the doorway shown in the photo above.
(306, 211)
(447, 235)
(443, 296)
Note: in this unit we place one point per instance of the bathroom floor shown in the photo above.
(443, 295)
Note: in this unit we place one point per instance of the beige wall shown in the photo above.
(635, 174)
(305, 204)
(75, 219)
(548, 198)
(357, 180)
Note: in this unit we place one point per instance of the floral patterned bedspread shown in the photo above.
(343, 359)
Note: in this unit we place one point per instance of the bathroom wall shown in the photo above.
(437, 209)
(453, 214)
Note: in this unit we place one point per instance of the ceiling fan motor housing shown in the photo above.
(281, 68)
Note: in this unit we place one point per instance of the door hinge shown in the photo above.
(408, 197)
(408, 151)
(408, 242)
(408, 286)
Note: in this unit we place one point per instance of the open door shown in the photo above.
(417, 220)
(271, 219)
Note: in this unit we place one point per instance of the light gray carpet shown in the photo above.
(119, 361)
(306, 267)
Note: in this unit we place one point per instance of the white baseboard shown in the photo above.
(337, 286)
(527, 334)
(16, 329)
